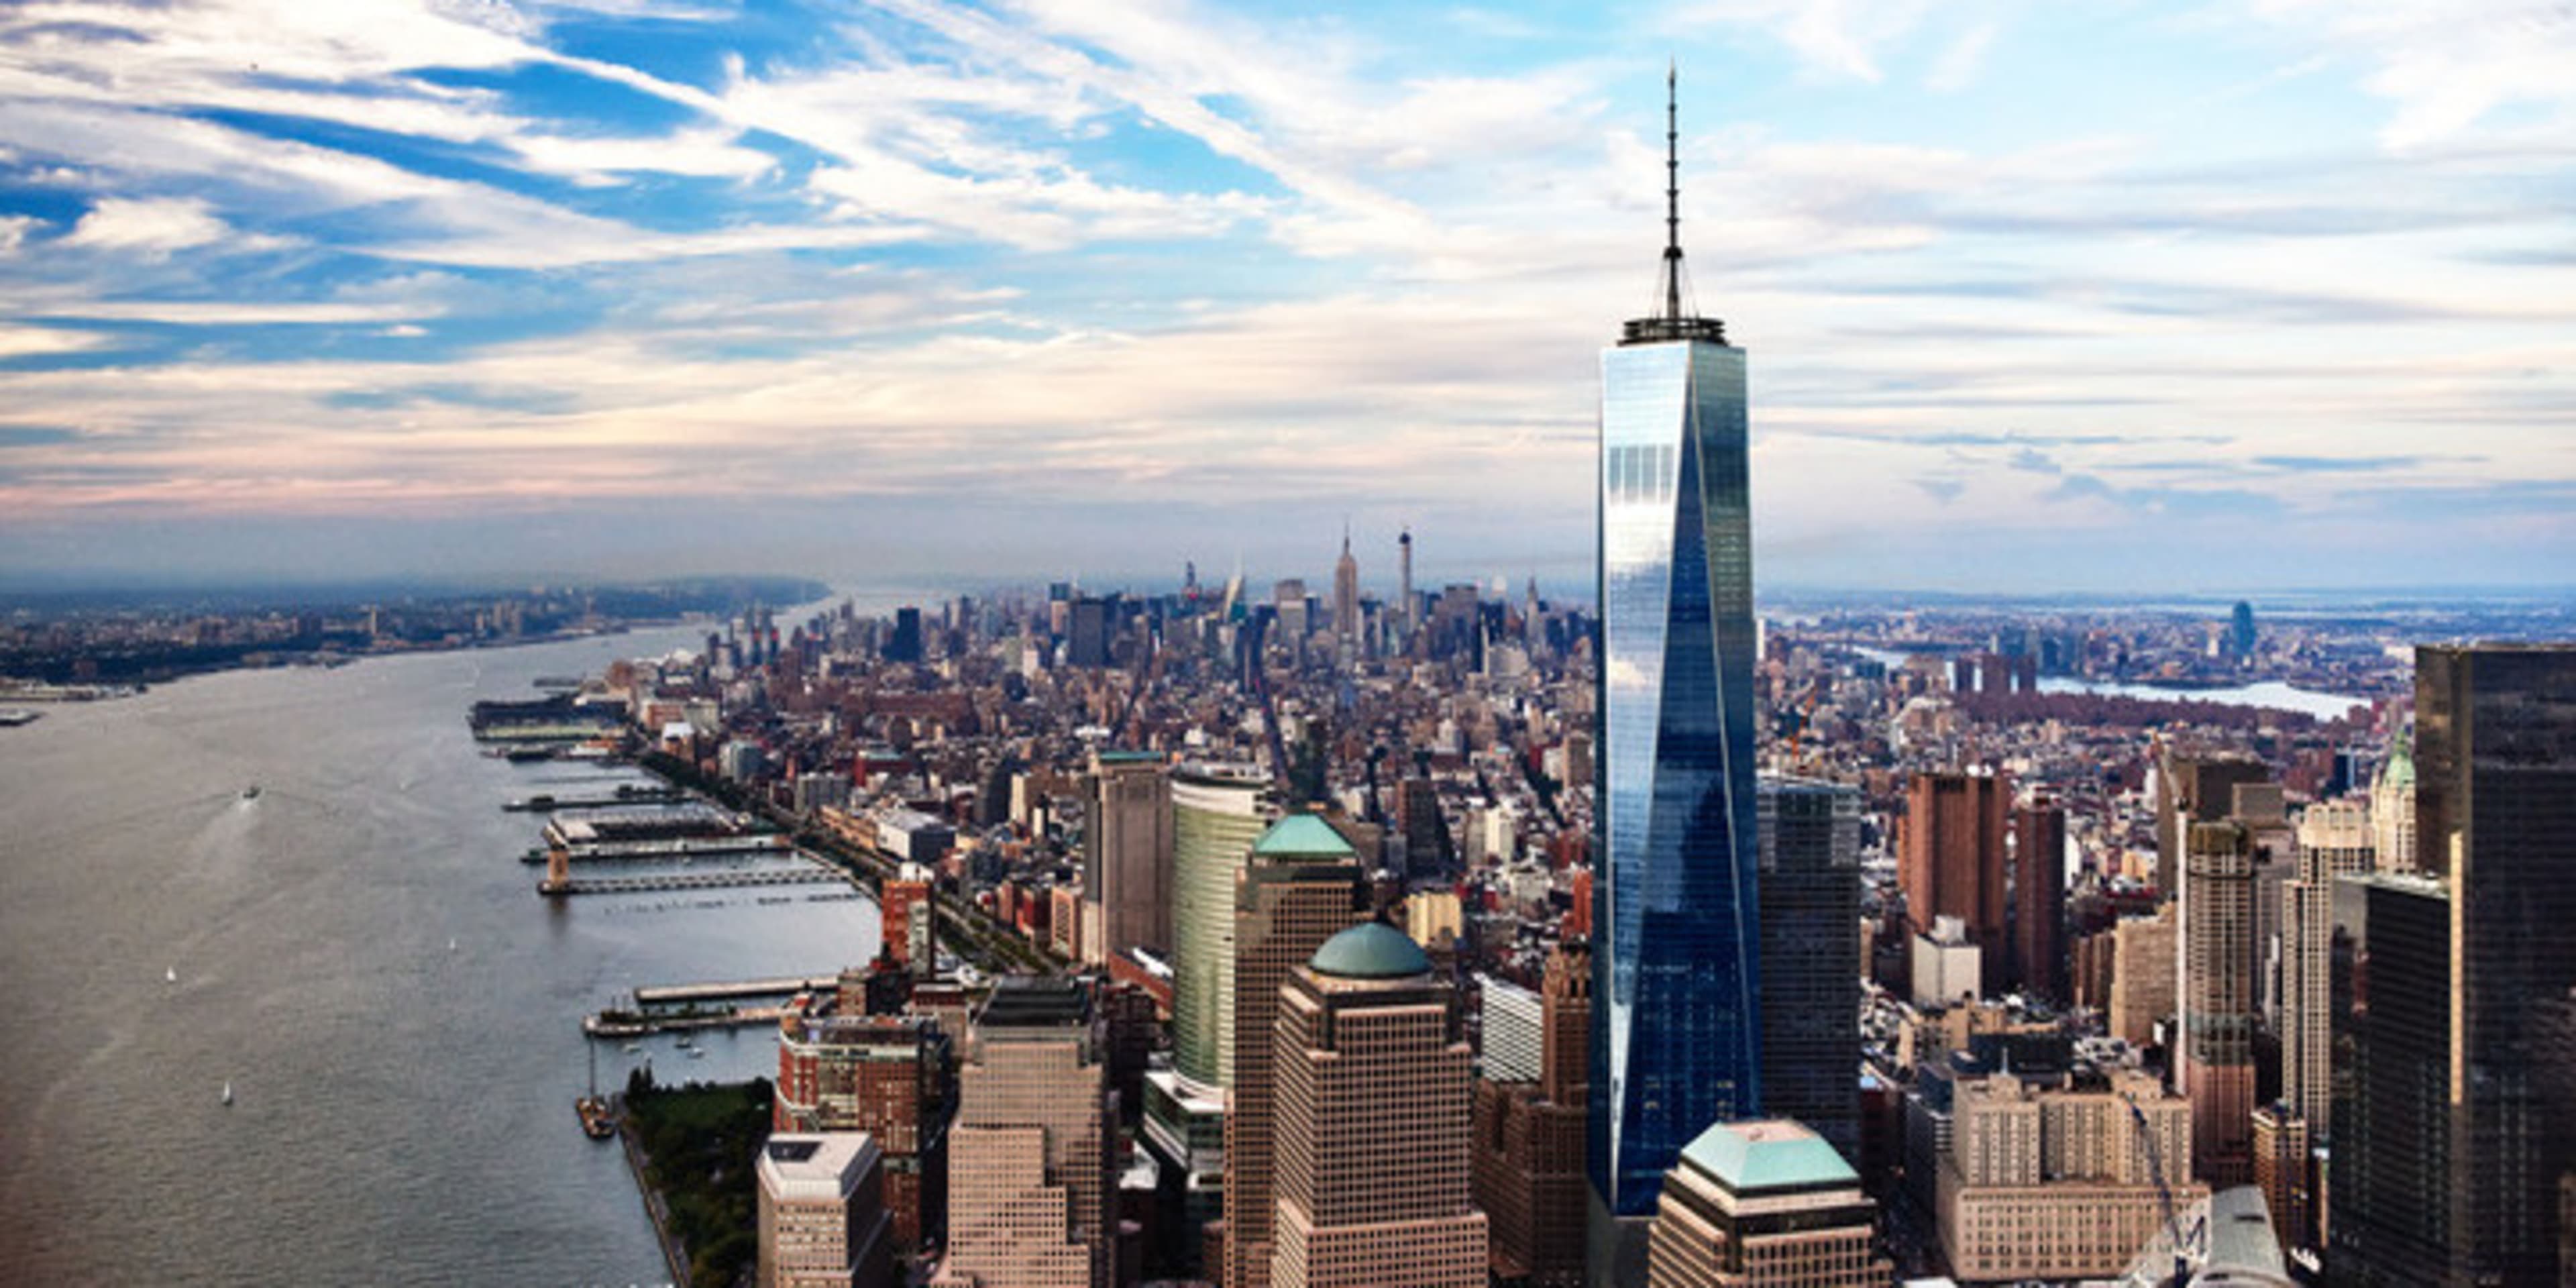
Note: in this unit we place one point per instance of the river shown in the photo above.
(403, 1108)
(2274, 694)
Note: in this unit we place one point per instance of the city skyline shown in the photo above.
(621, 287)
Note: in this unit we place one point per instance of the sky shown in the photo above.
(2182, 296)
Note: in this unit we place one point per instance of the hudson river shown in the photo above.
(403, 1109)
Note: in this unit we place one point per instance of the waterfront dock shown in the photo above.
(672, 994)
(668, 851)
(808, 874)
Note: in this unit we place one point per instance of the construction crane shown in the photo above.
(2164, 1195)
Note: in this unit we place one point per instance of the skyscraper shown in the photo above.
(2214, 1057)
(2455, 1159)
(1529, 1140)
(1951, 863)
(1765, 1204)
(1346, 592)
(2495, 813)
(1126, 855)
(2193, 789)
(1678, 1046)
(1412, 618)
(1297, 889)
(1372, 1122)
(1029, 1159)
(1810, 905)
(821, 1225)
(1218, 811)
(2039, 899)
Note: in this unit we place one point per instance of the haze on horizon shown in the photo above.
(2080, 297)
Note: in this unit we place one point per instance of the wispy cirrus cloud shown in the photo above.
(407, 257)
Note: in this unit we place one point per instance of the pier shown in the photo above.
(666, 851)
(809, 874)
(667, 994)
(543, 804)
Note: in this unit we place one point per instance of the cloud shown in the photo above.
(2342, 464)
(152, 228)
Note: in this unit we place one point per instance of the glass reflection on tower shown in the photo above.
(1676, 1036)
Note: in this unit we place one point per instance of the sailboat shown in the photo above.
(451, 944)
(171, 975)
(596, 1120)
(228, 1093)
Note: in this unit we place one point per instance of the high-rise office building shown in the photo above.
(2334, 841)
(1529, 1138)
(2495, 813)
(1126, 855)
(1299, 887)
(1951, 862)
(1218, 811)
(1810, 918)
(2214, 1055)
(1511, 1028)
(1029, 1159)
(1676, 946)
(888, 1076)
(821, 1224)
(904, 643)
(1412, 607)
(2392, 808)
(2193, 789)
(2142, 976)
(2391, 1221)
(1346, 592)
(2039, 899)
(1086, 639)
(1372, 1122)
(1765, 1204)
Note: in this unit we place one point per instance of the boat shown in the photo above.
(598, 1117)
(251, 793)
(171, 975)
(697, 1053)
(228, 1093)
(451, 944)
(631, 1048)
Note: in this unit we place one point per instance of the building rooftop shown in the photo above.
(1370, 950)
(1035, 1002)
(816, 1166)
(1768, 1154)
(1302, 836)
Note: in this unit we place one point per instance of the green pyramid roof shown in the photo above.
(1370, 950)
(1302, 836)
(1768, 1155)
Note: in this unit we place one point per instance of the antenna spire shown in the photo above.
(1674, 320)
(1672, 192)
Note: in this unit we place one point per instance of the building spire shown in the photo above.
(1672, 192)
(1673, 321)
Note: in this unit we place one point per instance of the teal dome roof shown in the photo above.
(1370, 950)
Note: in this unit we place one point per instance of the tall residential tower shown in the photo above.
(1677, 1046)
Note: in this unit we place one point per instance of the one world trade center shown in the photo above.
(1675, 1034)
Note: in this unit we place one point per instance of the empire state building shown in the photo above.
(1676, 1037)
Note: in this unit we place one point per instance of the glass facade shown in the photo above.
(1217, 813)
(1810, 901)
(1677, 1042)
